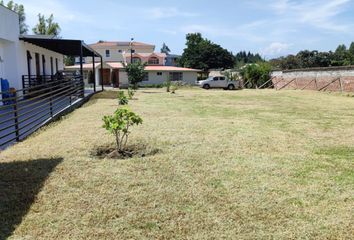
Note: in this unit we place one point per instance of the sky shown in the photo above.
(270, 27)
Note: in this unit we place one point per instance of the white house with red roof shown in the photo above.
(116, 55)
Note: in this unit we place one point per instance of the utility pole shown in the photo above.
(131, 50)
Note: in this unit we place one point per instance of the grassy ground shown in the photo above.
(232, 164)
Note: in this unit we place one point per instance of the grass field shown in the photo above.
(230, 165)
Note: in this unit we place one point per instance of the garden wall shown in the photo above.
(329, 79)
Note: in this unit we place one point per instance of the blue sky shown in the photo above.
(270, 27)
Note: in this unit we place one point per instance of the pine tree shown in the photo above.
(165, 49)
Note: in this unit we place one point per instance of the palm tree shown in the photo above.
(46, 26)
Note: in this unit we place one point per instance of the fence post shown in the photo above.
(70, 92)
(297, 86)
(341, 85)
(316, 82)
(16, 119)
(51, 101)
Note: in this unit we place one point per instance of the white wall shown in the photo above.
(9, 25)
(188, 77)
(123, 79)
(9, 33)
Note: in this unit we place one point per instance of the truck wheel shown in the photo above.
(206, 86)
(231, 87)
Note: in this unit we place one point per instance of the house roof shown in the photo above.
(69, 47)
(170, 69)
(145, 54)
(115, 65)
(118, 43)
(119, 65)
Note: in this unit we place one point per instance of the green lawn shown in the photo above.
(230, 165)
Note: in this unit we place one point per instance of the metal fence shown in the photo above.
(25, 110)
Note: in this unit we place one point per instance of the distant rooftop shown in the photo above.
(118, 43)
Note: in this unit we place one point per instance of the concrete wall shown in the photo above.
(315, 79)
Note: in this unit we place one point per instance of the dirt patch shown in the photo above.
(132, 151)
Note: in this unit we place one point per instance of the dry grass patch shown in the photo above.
(232, 164)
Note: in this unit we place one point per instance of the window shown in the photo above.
(108, 53)
(159, 73)
(146, 77)
(43, 64)
(176, 76)
(153, 61)
(222, 78)
(215, 78)
(132, 50)
(136, 60)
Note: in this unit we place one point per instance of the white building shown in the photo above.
(32, 57)
(116, 55)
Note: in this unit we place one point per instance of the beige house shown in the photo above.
(116, 55)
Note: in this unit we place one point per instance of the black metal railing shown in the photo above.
(25, 110)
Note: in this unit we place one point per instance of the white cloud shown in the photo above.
(169, 12)
(240, 32)
(321, 14)
(276, 48)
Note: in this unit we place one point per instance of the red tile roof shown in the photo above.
(170, 69)
(119, 65)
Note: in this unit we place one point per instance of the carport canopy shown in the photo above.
(68, 47)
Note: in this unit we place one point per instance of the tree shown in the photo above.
(203, 54)
(242, 58)
(351, 53)
(20, 10)
(165, 49)
(46, 26)
(136, 73)
(256, 74)
(69, 60)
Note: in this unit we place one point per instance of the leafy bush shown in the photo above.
(119, 124)
(254, 75)
(122, 99)
(131, 93)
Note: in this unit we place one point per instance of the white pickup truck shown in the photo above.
(219, 82)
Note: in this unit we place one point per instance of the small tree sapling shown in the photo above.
(119, 125)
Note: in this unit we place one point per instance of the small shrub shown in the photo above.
(174, 86)
(168, 85)
(131, 93)
(122, 99)
(119, 125)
